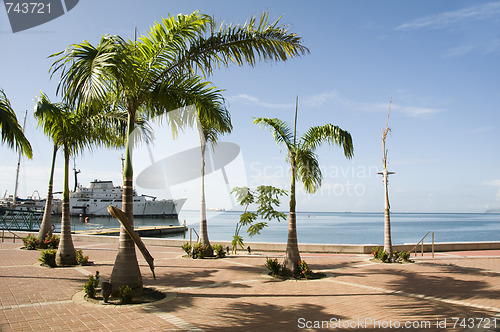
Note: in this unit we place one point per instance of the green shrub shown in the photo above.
(48, 256)
(187, 248)
(126, 294)
(273, 265)
(80, 258)
(304, 270)
(375, 251)
(51, 241)
(89, 287)
(30, 242)
(380, 254)
(199, 250)
(402, 255)
(219, 250)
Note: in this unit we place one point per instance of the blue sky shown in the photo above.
(438, 61)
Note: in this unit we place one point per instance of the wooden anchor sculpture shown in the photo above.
(125, 222)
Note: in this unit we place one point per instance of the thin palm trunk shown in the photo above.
(292, 255)
(46, 226)
(66, 251)
(126, 268)
(385, 173)
(203, 207)
(387, 207)
(387, 219)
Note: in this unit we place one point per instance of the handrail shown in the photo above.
(190, 236)
(14, 235)
(421, 242)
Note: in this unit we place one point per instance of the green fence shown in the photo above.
(20, 220)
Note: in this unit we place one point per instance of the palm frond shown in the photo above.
(281, 131)
(87, 72)
(331, 134)
(308, 170)
(180, 92)
(81, 128)
(11, 131)
(256, 40)
(165, 40)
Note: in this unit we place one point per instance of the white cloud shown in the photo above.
(333, 99)
(446, 19)
(485, 48)
(322, 99)
(492, 183)
(460, 50)
(495, 183)
(416, 111)
(480, 130)
(244, 98)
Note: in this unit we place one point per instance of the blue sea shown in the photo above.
(335, 228)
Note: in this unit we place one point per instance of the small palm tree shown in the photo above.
(12, 133)
(73, 131)
(157, 74)
(304, 167)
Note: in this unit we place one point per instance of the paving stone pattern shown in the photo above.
(236, 294)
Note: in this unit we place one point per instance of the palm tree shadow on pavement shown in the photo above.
(468, 290)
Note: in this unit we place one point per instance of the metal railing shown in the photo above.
(421, 243)
(20, 220)
(14, 235)
(191, 236)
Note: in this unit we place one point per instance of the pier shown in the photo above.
(146, 231)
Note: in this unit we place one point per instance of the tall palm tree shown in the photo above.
(304, 167)
(157, 74)
(11, 132)
(211, 124)
(385, 173)
(46, 225)
(73, 131)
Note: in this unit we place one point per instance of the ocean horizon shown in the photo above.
(331, 227)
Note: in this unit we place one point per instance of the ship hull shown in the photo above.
(95, 199)
(142, 208)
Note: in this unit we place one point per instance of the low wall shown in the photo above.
(281, 247)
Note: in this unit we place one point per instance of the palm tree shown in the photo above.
(46, 225)
(385, 173)
(12, 133)
(157, 74)
(73, 131)
(211, 124)
(304, 167)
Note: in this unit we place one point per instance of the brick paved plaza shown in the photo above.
(235, 294)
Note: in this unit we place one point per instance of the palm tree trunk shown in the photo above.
(66, 251)
(292, 255)
(387, 218)
(45, 227)
(126, 268)
(203, 207)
